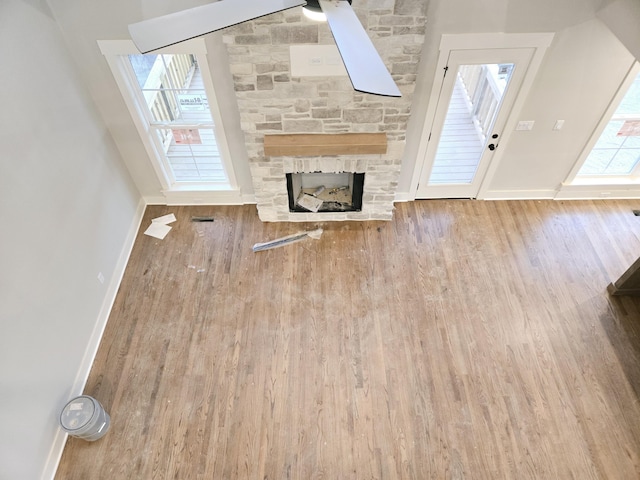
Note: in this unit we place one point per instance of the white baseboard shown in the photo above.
(60, 439)
(597, 192)
(403, 197)
(202, 198)
(496, 195)
(249, 199)
(519, 195)
(155, 200)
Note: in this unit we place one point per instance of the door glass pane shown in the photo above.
(474, 104)
(617, 151)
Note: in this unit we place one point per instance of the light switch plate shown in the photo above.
(525, 125)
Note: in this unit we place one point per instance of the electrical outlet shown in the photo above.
(316, 61)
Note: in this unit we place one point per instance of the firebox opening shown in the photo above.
(325, 192)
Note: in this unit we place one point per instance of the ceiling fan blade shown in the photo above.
(366, 69)
(166, 30)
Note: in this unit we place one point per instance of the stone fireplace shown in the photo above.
(351, 164)
(274, 102)
(378, 188)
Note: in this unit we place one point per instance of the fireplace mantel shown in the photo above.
(325, 144)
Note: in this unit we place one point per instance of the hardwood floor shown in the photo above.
(462, 340)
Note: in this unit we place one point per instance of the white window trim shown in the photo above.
(622, 182)
(113, 51)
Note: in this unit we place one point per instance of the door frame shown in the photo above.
(520, 58)
(480, 41)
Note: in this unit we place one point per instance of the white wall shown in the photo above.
(623, 18)
(67, 210)
(578, 77)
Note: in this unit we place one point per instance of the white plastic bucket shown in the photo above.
(84, 417)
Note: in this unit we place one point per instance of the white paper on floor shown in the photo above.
(168, 218)
(159, 227)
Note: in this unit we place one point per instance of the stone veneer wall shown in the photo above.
(271, 101)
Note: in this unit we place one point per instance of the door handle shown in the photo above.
(493, 146)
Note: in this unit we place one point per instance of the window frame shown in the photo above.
(116, 53)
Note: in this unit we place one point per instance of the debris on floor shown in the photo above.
(159, 226)
(296, 237)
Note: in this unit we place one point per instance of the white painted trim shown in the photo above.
(597, 192)
(186, 197)
(218, 125)
(127, 47)
(403, 197)
(520, 195)
(474, 41)
(212, 198)
(155, 200)
(423, 145)
(55, 453)
(249, 199)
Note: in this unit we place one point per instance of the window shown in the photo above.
(172, 102)
(613, 155)
(177, 110)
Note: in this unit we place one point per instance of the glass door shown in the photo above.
(474, 103)
(478, 92)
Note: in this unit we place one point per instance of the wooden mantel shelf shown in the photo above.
(314, 144)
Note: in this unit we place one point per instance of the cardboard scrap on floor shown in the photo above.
(309, 202)
(296, 237)
(159, 226)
